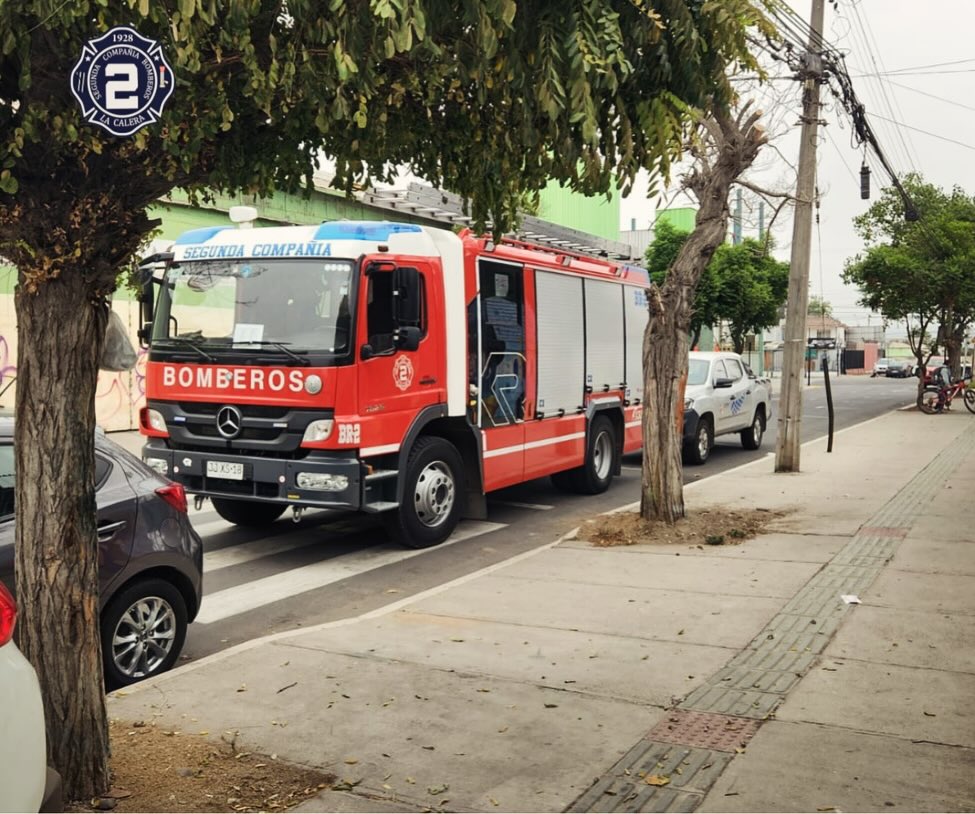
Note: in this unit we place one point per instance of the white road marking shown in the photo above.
(541, 507)
(260, 592)
(254, 550)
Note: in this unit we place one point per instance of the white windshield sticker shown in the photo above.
(248, 332)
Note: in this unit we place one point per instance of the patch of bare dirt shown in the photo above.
(703, 527)
(155, 769)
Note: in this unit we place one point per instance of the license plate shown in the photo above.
(226, 470)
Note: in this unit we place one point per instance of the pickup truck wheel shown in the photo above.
(248, 515)
(699, 450)
(432, 495)
(752, 437)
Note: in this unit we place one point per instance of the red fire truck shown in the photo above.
(386, 367)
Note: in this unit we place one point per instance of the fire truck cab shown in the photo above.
(386, 367)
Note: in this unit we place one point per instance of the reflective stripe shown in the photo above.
(365, 452)
(533, 445)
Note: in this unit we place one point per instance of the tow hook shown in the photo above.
(298, 511)
(198, 502)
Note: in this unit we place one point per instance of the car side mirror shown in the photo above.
(722, 383)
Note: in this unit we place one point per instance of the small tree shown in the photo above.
(742, 285)
(819, 307)
(728, 147)
(751, 287)
(921, 272)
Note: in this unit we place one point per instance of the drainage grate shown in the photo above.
(707, 730)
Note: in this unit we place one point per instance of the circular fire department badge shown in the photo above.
(403, 372)
(122, 81)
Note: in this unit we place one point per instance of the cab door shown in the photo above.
(737, 401)
(401, 353)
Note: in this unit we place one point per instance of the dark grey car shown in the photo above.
(150, 559)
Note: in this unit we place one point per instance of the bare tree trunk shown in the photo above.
(735, 143)
(60, 333)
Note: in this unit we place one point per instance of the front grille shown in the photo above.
(246, 410)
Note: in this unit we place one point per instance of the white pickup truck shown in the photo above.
(723, 396)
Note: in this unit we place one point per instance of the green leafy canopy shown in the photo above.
(488, 98)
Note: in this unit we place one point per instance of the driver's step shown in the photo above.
(380, 506)
(381, 474)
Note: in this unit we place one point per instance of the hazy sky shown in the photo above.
(908, 44)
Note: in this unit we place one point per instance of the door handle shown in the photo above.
(428, 380)
(107, 531)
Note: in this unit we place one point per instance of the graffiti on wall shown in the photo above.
(118, 396)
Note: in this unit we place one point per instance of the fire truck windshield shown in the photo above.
(282, 307)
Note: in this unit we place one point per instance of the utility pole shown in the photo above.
(790, 398)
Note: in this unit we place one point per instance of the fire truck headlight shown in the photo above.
(318, 431)
(322, 481)
(313, 385)
(160, 465)
(153, 420)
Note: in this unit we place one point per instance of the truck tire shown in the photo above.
(752, 437)
(432, 495)
(247, 514)
(142, 632)
(596, 472)
(699, 450)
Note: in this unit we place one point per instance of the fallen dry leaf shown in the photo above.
(657, 780)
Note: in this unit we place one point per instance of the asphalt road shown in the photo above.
(333, 566)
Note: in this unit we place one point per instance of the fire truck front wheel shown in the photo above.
(432, 494)
(242, 513)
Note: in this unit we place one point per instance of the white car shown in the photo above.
(723, 396)
(23, 743)
(880, 367)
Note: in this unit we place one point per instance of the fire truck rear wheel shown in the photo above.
(432, 495)
(596, 473)
(247, 514)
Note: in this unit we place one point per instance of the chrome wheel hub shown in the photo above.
(144, 637)
(434, 495)
(602, 455)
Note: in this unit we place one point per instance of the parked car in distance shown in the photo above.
(150, 559)
(723, 396)
(23, 742)
(880, 367)
(900, 368)
(931, 368)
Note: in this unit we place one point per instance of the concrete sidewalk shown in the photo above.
(567, 677)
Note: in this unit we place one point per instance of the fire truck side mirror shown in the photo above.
(407, 337)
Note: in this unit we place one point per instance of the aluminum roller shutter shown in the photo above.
(561, 357)
(604, 336)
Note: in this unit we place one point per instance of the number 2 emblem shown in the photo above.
(122, 81)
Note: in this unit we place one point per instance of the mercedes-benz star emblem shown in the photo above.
(229, 421)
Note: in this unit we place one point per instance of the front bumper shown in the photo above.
(271, 480)
(691, 420)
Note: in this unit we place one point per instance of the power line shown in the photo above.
(931, 95)
(932, 65)
(909, 151)
(926, 132)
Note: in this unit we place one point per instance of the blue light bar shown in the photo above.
(378, 231)
(201, 235)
